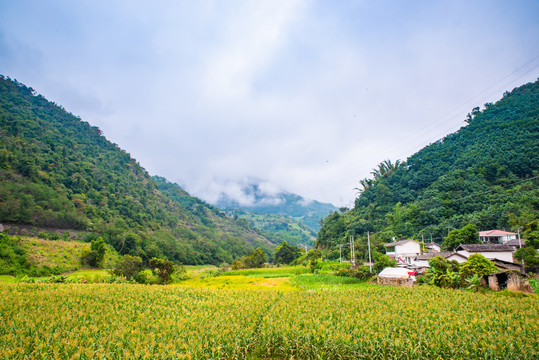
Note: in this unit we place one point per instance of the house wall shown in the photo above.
(497, 239)
(411, 247)
(409, 282)
(500, 255)
(459, 259)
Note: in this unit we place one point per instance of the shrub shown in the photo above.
(49, 235)
(477, 264)
(128, 266)
(163, 268)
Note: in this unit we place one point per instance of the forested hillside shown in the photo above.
(486, 173)
(57, 171)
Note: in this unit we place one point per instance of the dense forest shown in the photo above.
(486, 174)
(57, 171)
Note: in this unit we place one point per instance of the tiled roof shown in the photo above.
(398, 242)
(484, 247)
(430, 255)
(516, 242)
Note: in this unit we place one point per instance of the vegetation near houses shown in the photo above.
(467, 235)
(486, 174)
(527, 255)
(450, 274)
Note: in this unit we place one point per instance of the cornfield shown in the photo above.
(109, 321)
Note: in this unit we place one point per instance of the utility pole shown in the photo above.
(340, 252)
(352, 251)
(369, 245)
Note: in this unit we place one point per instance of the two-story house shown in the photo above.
(404, 251)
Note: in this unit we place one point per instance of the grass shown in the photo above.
(235, 282)
(534, 283)
(88, 275)
(53, 253)
(285, 271)
(327, 282)
(7, 279)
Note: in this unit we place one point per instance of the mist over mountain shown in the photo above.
(260, 198)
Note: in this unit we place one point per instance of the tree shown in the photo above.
(382, 261)
(466, 235)
(285, 253)
(96, 255)
(256, 259)
(128, 266)
(443, 273)
(163, 268)
(527, 255)
(477, 264)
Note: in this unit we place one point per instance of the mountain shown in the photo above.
(58, 171)
(486, 173)
(257, 200)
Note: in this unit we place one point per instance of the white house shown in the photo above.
(433, 247)
(490, 251)
(496, 236)
(457, 257)
(404, 251)
(422, 261)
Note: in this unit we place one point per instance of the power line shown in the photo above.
(319, 183)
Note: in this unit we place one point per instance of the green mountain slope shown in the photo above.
(57, 171)
(487, 174)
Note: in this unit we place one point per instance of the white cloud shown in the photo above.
(308, 96)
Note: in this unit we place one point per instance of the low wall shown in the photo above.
(395, 281)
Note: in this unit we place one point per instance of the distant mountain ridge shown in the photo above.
(304, 211)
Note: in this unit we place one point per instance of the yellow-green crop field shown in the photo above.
(124, 321)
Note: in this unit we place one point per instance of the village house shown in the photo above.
(433, 247)
(404, 251)
(496, 236)
(460, 258)
(516, 243)
(490, 251)
(422, 261)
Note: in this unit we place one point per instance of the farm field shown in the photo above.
(356, 321)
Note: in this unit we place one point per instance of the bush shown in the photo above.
(49, 235)
(95, 255)
(163, 268)
(527, 254)
(382, 261)
(477, 264)
(128, 266)
(147, 277)
(443, 273)
(362, 272)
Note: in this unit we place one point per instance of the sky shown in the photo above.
(302, 96)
